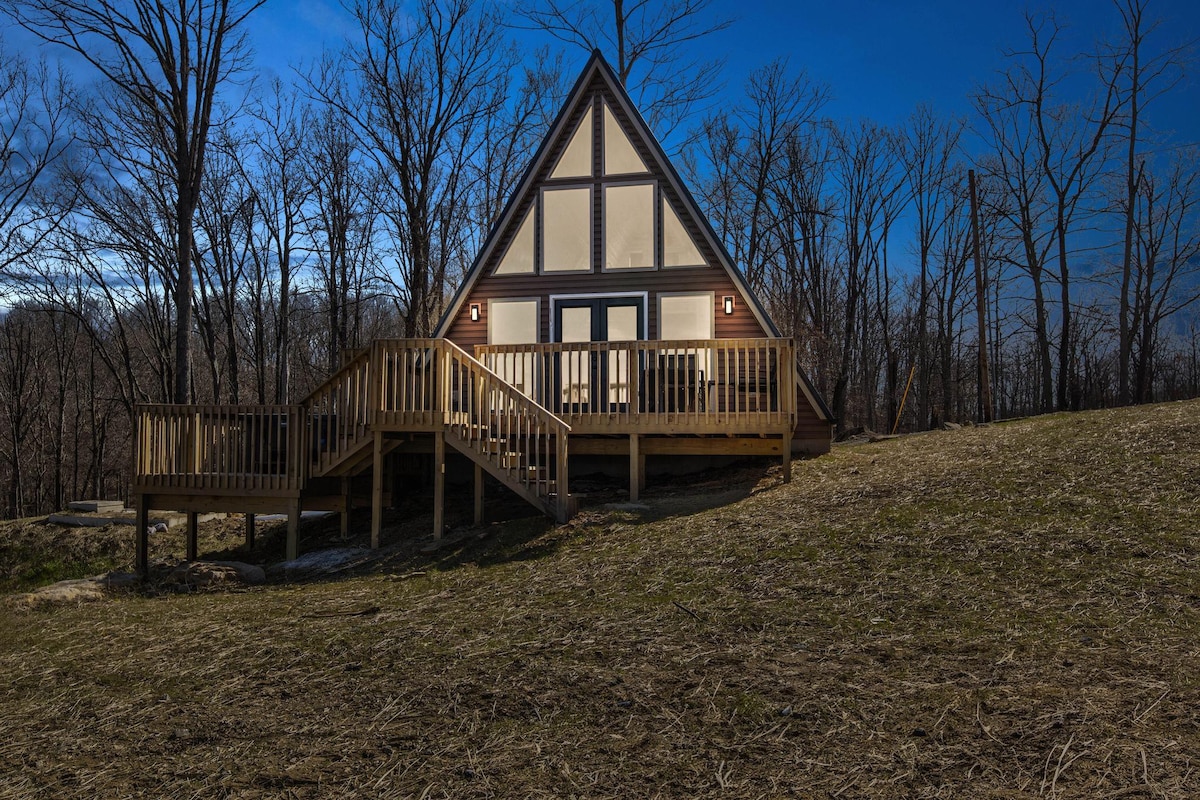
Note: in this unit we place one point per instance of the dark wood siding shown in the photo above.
(738, 325)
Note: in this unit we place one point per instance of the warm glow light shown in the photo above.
(474, 312)
(728, 305)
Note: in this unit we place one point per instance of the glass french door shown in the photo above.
(597, 379)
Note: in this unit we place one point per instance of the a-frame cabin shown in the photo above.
(602, 242)
(602, 316)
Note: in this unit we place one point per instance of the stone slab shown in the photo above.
(107, 506)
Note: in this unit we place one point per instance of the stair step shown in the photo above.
(511, 460)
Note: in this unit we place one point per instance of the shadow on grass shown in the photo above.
(513, 532)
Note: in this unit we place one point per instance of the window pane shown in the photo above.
(566, 230)
(620, 158)
(622, 327)
(575, 367)
(518, 259)
(622, 323)
(685, 316)
(576, 160)
(678, 248)
(685, 371)
(576, 324)
(629, 226)
(514, 322)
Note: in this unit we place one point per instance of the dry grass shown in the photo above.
(1002, 612)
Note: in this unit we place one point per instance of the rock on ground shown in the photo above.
(81, 590)
(210, 573)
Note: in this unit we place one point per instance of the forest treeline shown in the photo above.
(173, 230)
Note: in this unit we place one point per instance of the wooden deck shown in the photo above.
(516, 411)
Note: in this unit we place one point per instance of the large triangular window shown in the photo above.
(620, 157)
(576, 160)
(679, 250)
(518, 259)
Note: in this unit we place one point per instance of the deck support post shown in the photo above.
(142, 558)
(377, 491)
(562, 508)
(478, 495)
(787, 456)
(193, 535)
(635, 468)
(249, 531)
(348, 506)
(293, 529)
(439, 484)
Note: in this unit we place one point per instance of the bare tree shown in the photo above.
(223, 248)
(648, 41)
(1147, 77)
(1166, 264)
(341, 228)
(927, 145)
(866, 174)
(284, 187)
(1013, 165)
(165, 62)
(429, 77)
(34, 134)
(1071, 140)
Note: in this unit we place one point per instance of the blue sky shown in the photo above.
(880, 58)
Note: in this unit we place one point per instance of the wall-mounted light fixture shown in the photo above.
(728, 304)
(474, 312)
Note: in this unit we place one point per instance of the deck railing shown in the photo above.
(219, 448)
(407, 383)
(519, 440)
(339, 414)
(512, 409)
(656, 386)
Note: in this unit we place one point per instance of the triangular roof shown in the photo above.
(598, 67)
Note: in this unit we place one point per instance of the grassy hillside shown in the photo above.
(1000, 612)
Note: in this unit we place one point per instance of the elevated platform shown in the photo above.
(515, 411)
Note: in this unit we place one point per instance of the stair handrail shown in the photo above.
(314, 452)
(472, 427)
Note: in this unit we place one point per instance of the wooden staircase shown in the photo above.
(267, 459)
(433, 386)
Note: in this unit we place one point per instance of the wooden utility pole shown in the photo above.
(985, 381)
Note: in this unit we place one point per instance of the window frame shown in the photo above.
(655, 225)
(540, 239)
(712, 311)
(537, 316)
(605, 113)
(662, 235)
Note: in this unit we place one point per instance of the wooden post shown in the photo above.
(348, 506)
(377, 491)
(293, 529)
(787, 456)
(143, 536)
(439, 483)
(560, 476)
(478, 495)
(249, 531)
(641, 471)
(193, 536)
(635, 469)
